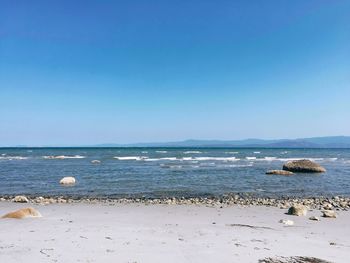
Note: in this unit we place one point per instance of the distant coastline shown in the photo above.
(327, 142)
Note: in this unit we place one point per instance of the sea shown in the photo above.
(169, 172)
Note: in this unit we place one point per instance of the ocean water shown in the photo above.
(166, 172)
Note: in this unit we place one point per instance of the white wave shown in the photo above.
(144, 152)
(61, 157)
(285, 152)
(3, 154)
(189, 152)
(161, 151)
(232, 152)
(171, 166)
(251, 158)
(235, 165)
(273, 158)
(224, 159)
(13, 158)
(268, 158)
(161, 159)
(130, 158)
(257, 152)
(331, 159)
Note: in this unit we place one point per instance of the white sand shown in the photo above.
(167, 233)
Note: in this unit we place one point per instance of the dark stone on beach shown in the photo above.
(279, 172)
(303, 166)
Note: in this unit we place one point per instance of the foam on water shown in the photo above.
(10, 158)
(62, 157)
(130, 158)
(250, 158)
(190, 152)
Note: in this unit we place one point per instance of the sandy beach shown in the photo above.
(168, 233)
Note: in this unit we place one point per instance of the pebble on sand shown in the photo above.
(329, 213)
(20, 199)
(314, 218)
(287, 222)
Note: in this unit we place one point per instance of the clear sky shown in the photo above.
(86, 72)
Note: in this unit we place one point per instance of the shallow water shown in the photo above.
(156, 172)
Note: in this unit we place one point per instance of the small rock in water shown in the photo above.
(314, 218)
(287, 222)
(303, 166)
(23, 213)
(329, 213)
(279, 172)
(20, 199)
(67, 180)
(297, 210)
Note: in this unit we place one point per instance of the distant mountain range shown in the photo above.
(315, 142)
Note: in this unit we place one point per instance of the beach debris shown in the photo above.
(303, 166)
(250, 226)
(279, 172)
(96, 161)
(20, 199)
(67, 180)
(293, 260)
(23, 213)
(297, 210)
(314, 218)
(45, 250)
(287, 222)
(329, 213)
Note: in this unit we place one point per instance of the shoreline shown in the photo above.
(336, 202)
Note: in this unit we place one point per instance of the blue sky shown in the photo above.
(85, 72)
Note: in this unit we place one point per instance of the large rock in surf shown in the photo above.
(297, 210)
(20, 199)
(23, 213)
(279, 172)
(303, 166)
(67, 180)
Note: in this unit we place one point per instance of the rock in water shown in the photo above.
(20, 199)
(67, 180)
(303, 166)
(23, 213)
(329, 213)
(279, 172)
(297, 210)
(287, 222)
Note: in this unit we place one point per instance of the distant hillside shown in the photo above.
(316, 142)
